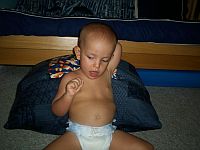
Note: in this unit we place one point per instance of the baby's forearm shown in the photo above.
(61, 106)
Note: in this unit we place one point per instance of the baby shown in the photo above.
(86, 95)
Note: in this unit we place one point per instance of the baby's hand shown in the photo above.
(76, 50)
(74, 86)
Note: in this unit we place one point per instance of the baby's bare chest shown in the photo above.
(96, 91)
(95, 102)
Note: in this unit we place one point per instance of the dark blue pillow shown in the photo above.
(31, 109)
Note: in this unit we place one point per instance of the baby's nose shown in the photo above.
(96, 65)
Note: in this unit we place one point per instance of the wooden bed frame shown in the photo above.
(30, 50)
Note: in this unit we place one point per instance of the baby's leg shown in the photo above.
(67, 141)
(125, 141)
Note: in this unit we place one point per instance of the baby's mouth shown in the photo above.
(93, 74)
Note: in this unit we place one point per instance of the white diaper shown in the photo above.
(92, 138)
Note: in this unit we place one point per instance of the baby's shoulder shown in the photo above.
(70, 75)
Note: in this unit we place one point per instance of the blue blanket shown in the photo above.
(160, 31)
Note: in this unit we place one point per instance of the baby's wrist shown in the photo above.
(68, 96)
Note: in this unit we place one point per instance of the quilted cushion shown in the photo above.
(31, 109)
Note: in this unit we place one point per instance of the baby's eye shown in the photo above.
(90, 57)
(105, 60)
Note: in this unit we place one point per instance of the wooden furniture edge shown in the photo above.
(30, 50)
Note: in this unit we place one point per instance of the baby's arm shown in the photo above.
(67, 90)
(115, 58)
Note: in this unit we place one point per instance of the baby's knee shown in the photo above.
(146, 146)
(143, 146)
(150, 147)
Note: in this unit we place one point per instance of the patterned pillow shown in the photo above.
(64, 64)
(31, 109)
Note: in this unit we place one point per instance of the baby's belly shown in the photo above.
(92, 112)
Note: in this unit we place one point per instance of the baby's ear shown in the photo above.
(76, 51)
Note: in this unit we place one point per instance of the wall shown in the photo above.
(8, 3)
(160, 9)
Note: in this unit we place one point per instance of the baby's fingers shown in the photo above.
(78, 83)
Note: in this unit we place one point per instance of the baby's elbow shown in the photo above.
(57, 112)
(53, 110)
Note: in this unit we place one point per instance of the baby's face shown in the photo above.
(95, 57)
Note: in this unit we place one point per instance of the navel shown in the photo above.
(97, 116)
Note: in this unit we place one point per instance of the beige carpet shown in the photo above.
(178, 109)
